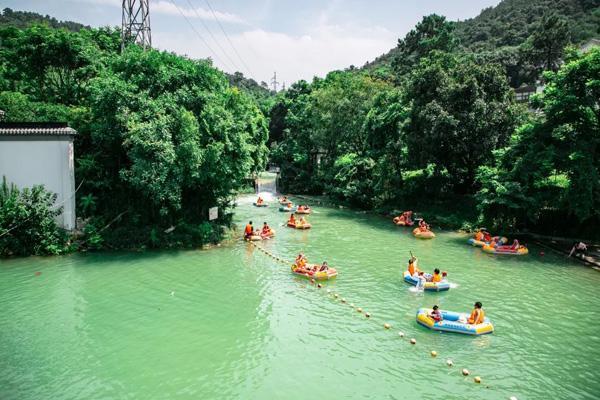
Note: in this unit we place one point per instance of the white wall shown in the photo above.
(28, 161)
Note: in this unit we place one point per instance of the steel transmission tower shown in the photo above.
(135, 25)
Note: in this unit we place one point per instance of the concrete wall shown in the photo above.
(47, 160)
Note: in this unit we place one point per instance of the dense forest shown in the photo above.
(507, 34)
(439, 131)
(432, 126)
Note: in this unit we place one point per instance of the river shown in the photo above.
(232, 323)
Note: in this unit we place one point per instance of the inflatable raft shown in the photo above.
(297, 225)
(451, 322)
(429, 286)
(330, 273)
(253, 238)
(401, 222)
(508, 250)
(261, 204)
(270, 235)
(303, 211)
(287, 209)
(476, 243)
(419, 234)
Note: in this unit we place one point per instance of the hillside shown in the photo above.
(23, 19)
(511, 22)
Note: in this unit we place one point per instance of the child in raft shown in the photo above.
(423, 226)
(435, 314)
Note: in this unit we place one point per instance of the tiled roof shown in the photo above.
(24, 130)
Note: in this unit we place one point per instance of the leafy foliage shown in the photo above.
(552, 164)
(161, 137)
(27, 224)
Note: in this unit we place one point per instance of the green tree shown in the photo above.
(460, 112)
(552, 165)
(434, 32)
(545, 47)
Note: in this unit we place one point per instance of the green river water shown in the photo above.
(231, 323)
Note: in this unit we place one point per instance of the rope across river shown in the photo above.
(337, 297)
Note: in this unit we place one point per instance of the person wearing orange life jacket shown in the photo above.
(412, 267)
(292, 220)
(477, 315)
(248, 230)
(266, 230)
(479, 235)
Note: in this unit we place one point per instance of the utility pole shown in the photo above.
(135, 23)
(283, 86)
(274, 81)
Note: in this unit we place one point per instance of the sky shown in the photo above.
(297, 39)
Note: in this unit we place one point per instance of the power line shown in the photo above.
(212, 36)
(227, 37)
(198, 34)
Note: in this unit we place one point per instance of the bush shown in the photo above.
(27, 224)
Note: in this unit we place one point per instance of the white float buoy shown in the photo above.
(449, 362)
(477, 379)
(387, 326)
(465, 372)
(401, 334)
(359, 309)
(433, 353)
(413, 341)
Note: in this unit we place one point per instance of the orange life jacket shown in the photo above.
(477, 316)
(436, 278)
(248, 230)
(412, 268)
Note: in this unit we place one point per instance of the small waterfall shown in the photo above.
(267, 183)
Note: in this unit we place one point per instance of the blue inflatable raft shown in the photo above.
(452, 322)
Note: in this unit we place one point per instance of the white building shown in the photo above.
(41, 154)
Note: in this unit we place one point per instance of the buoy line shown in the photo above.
(386, 325)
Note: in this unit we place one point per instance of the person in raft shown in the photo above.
(302, 221)
(248, 231)
(266, 229)
(435, 314)
(423, 226)
(413, 270)
(477, 315)
(579, 249)
(324, 267)
(260, 200)
(300, 260)
(292, 220)
(437, 276)
(479, 235)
